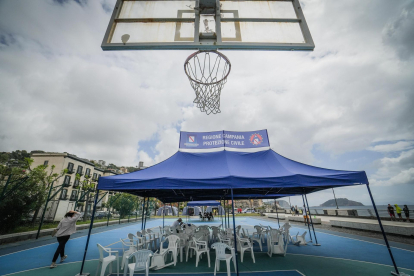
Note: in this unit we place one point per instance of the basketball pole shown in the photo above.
(306, 218)
(316, 240)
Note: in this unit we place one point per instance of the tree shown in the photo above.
(125, 204)
(43, 179)
(25, 193)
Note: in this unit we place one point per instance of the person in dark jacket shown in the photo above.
(406, 213)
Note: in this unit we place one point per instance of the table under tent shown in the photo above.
(198, 208)
(229, 175)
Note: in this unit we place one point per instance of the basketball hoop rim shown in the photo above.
(210, 51)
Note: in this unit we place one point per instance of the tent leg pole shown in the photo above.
(228, 216)
(277, 214)
(221, 214)
(383, 234)
(163, 215)
(89, 235)
(306, 218)
(142, 215)
(316, 240)
(234, 233)
(146, 213)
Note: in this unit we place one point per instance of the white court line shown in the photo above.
(70, 239)
(302, 227)
(348, 260)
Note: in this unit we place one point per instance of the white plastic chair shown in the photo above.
(105, 261)
(214, 233)
(142, 260)
(245, 244)
(300, 239)
(155, 237)
(173, 243)
(129, 246)
(222, 256)
(258, 233)
(276, 243)
(257, 237)
(200, 248)
(182, 244)
(224, 239)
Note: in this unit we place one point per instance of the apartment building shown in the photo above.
(252, 203)
(70, 192)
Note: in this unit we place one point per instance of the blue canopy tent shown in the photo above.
(188, 176)
(204, 203)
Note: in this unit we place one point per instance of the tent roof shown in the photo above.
(188, 176)
(204, 203)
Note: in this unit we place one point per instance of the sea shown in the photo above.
(365, 211)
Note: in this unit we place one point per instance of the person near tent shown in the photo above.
(66, 227)
(398, 210)
(296, 210)
(211, 216)
(177, 224)
(391, 211)
(305, 216)
(407, 213)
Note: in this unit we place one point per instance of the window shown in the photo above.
(63, 195)
(46, 163)
(70, 167)
(73, 195)
(76, 183)
(88, 172)
(66, 181)
(80, 170)
(95, 176)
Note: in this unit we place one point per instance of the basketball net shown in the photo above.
(207, 72)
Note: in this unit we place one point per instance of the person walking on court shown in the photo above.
(399, 210)
(407, 213)
(391, 211)
(66, 227)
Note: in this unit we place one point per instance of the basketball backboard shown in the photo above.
(208, 25)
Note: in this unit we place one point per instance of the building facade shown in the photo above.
(76, 187)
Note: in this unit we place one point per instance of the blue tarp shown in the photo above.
(188, 176)
(203, 203)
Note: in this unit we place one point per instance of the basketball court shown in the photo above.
(356, 256)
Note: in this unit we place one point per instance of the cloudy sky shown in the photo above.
(347, 105)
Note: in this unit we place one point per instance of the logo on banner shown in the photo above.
(191, 141)
(256, 139)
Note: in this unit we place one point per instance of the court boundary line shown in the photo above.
(157, 273)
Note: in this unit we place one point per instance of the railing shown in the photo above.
(80, 173)
(76, 184)
(351, 212)
(63, 197)
(70, 171)
(72, 198)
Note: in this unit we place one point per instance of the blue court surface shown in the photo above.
(333, 247)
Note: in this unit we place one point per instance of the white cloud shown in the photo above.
(398, 146)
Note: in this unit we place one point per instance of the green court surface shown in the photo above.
(304, 264)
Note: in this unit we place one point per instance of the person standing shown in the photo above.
(407, 212)
(296, 210)
(305, 216)
(177, 224)
(66, 227)
(391, 211)
(398, 210)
